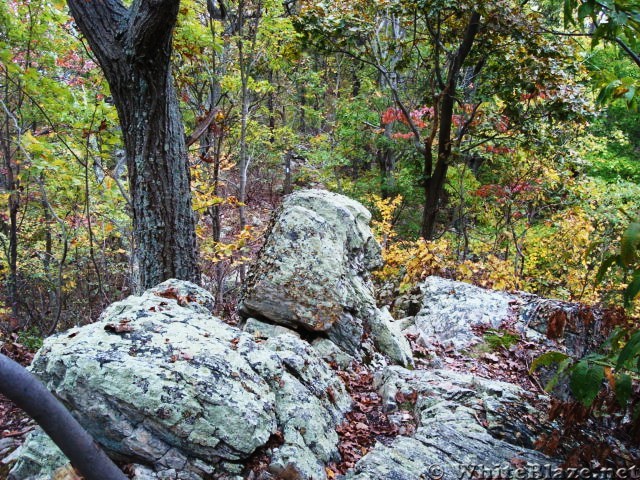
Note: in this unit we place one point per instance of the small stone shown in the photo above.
(260, 329)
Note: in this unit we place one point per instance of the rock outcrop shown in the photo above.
(174, 392)
(467, 426)
(451, 310)
(313, 275)
(159, 381)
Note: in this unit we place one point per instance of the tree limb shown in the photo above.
(444, 137)
(150, 27)
(102, 22)
(634, 56)
(201, 127)
(28, 393)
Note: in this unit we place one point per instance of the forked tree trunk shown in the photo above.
(434, 183)
(133, 47)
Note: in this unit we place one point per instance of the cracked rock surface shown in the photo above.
(463, 421)
(159, 381)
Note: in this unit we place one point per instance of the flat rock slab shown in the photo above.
(465, 424)
(161, 382)
(450, 310)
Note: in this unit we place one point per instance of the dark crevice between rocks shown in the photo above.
(307, 335)
(510, 424)
(295, 374)
(260, 460)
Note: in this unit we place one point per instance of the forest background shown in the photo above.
(495, 142)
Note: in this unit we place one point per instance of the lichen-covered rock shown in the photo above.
(450, 311)
(313, 274)
(506, 409)
(388, 337)
(159, 381)
(38, 458)
(331, 353)
(315, 262)
(463, 421)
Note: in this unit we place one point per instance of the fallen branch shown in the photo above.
(86, 456)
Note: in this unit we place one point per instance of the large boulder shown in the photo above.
(451, 311)
(159, 381)
(468, 427)
(313, 274)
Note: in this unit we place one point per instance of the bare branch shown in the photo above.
(201, 127)
(29, 394)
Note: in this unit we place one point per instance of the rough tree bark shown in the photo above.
(29, 394)
(133, 47)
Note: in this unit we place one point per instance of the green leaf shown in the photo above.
(632, 290)
(629, 244)
(586, 381)
(585, 10)
(562, 366)
(623, 389)
(604, 266)
(606, 93)
(547, 359)
(629, 351)
(613, 341)
(630, 93)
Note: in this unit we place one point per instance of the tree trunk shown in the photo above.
(386, 163)
(434, 182)
(11, 185)
(287, 187)
(133, 47)
(243, 162)
(12, 287)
